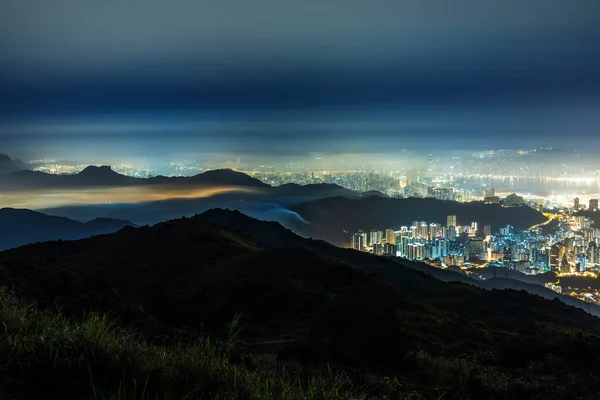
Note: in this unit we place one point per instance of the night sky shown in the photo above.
(148, 77)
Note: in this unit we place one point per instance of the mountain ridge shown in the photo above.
(22, 226)
(329, 216)
(103, 176)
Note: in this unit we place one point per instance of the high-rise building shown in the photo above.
(487, 230)
(451, 221)
(474, 227)
(475, 248)
(416, 251)
(576, 203)
(554, 256)
(579, 222)
(358, 241)
(506, 230)
(490, 196)
(389, 236)
(442, 245)
(444, 232)
(375, 237)
(443, 193)
(507, 257)
(434, 231)
(413, 231)
(377, 249)
(593, 205)
(389, 249)
(564, 264)
(424, 230)
(581, 261)
(451, 232)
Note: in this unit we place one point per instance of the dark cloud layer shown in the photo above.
(490, 61)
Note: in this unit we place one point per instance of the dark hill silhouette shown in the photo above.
(331, 216)
(104, 176)
(373, 193)
(19, 227)
(271, 234)
(90, 177)
(229, 177)
(313, 190)
(8, 166)
(217, 177)
(311, 302)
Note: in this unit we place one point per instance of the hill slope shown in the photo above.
(310, 302)
(8, 166)
(19, 227)
(329, 217)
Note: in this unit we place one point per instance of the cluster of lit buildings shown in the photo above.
(446, 244)
(574, 247)
(574, 255)
(567, 244)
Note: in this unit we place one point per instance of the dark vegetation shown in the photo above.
(330, 217)
(224, 306)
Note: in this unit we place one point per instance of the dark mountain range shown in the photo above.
(8, 166)
(308, 302)
(104, 176)
(331, 216)
(19, 227)
(89, 177)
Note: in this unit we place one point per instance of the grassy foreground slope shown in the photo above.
(47, 355)
(196, 308)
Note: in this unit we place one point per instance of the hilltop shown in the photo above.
(301, 301)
